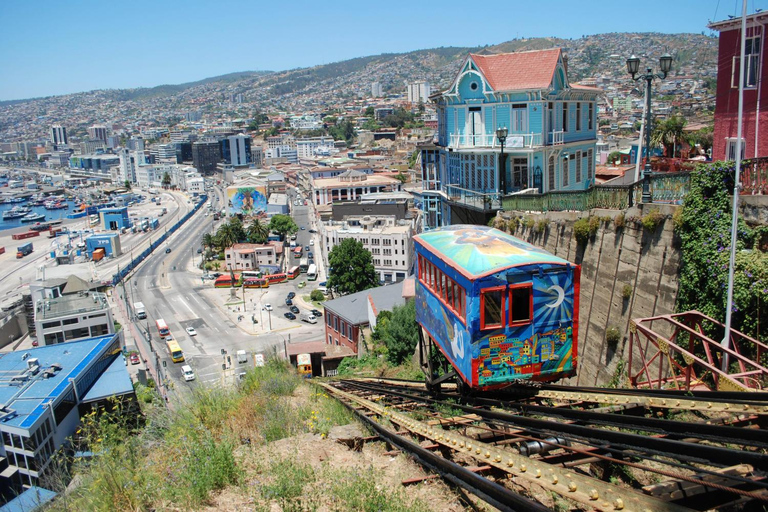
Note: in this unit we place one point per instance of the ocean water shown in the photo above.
(49, 214)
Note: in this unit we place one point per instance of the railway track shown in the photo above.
(710, 451)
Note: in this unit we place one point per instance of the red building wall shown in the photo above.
(337, 331)
(727, 100)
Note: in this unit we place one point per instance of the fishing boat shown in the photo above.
(15, 213)
(33, 217)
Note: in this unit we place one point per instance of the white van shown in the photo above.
(308, 317)
(242, 356)
(187, 372)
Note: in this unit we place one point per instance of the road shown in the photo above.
(170, 286)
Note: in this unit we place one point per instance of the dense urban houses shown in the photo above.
(754, 139)
(548, 127)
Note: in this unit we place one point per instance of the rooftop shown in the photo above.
(479, 250)
(519, 70)
(354, 307)
(26, 393)
(70, 304)
(340, 182)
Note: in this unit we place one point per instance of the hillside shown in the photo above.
(321, 87)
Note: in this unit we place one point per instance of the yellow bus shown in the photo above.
(177, 356)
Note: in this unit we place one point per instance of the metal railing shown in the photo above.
(479, 200)
(514, 140)
(666, 188)
(754, 176)
(556, 137)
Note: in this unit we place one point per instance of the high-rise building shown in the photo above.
(98, 131)
(205, 156)
(127, 170)
(418, 92)
(58, 135)
(376, 90)
(136, 143)
(164, 153)
(236, 150)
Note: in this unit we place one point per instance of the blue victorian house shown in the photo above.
(509, 123)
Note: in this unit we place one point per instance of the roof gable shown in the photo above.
(520, 70)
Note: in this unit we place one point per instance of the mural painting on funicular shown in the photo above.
(500, 309)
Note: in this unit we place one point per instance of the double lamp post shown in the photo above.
(633, 66)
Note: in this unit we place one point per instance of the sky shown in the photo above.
(51, 47)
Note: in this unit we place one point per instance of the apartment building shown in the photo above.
(307, 147)
(72, 317)
(349, 185)
(250, 256)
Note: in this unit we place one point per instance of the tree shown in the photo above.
(230, 233)
(257, 232)
(704, 138)
(402, 333)
(166, 179)
(402, 178)
(669, 133)
(343, 130)
(316, 296)
(613, 156)
(208, 241)
(369, 112)
(127, 184)
(283, 225)
(352, 268)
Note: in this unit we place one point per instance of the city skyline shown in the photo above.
(87, 45)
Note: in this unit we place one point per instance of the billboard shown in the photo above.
(247, 200)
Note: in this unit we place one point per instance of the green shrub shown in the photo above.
(581, 231)
(652, 220)
(612, 336)
(677, 219)
(317, 296)
(529, 222)
(626, 292)
(618, 221)
(542, 225)
(513, 223)
(594, 225)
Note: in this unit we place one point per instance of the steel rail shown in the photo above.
(658, 446)
(595, 494)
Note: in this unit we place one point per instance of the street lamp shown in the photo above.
(633, 66)
(501, 134)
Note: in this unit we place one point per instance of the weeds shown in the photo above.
(652, 220)
(619, 221)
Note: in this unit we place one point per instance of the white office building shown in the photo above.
(307, 147)
(58, 135)
(376, 90)
(99, 132)
(72, 317)
(127, 167)
(418, 92)
(164, 153)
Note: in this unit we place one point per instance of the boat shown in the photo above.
(16, 212)
(15, 199)
(33, 217)
(55, 205)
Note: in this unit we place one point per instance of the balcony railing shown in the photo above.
(478, 200)
(556, 138)
(515, 140)
(754, 176)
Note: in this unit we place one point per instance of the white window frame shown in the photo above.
(730, 148)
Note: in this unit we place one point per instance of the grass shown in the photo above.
(176, 459)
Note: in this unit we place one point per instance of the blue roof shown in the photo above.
(29, 501)
(28, 399)
(114, 381)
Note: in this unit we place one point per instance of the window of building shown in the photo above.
(578, 116)
(565, 116)
(82, 332)
(590, 164)
(386, 241)
(519, 122)
(387, 262)
(551, 174)
(731, 149)
(578, 167)
(565, 171)
(520, 173)
(99, 330)
(328, 320)
(336, 324)
(330, 339)
(751, 59)
(48, 325)
(520, 304)
(69, 321)
(374, 241)
(491, 307)
(387, 252)
(591, 114)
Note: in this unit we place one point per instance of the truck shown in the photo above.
(23, 250)
(242, 356)
(141, 312)
(308, 317)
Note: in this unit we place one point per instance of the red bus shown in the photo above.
(225, 281)
(298, 251)
(276, 278)
(294, 272)
(162, 327)
(255, 282)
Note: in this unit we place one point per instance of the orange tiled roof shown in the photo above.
(520, 70)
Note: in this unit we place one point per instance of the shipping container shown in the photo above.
(2, 250)
(23, 250)
(98, 254)
(25, 235)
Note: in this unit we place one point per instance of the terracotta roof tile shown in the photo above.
(520, 70)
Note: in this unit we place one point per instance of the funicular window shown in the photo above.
(492, 305)
(521, 304)
(445, 289)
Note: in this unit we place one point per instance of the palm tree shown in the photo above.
(226, 236)
(257, 232)
(669, 133)
(208, 241)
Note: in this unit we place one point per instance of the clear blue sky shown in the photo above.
(50, 47)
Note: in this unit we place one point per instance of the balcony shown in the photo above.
(484, 202)
(489, 141)
(555, 138)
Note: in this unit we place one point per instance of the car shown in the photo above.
(267, 307)
(312, 242)
(134, 358)
(34, 343)
(191, 331)
(215, 274)
(294, 310)
(317, 313)
(303, 228)
(305, 202)
(313, 231)
(208, 277)
(199, 250)
(167, 250)
(288, 302)
(187, 372)
(290, 316)
(306, 248)
(291, 295)
(310, 255)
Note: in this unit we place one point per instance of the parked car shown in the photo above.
(199, 250)
(134, 358)
(303, 228)
(208, 277)
(288, 302)
(313, 231)
(306, 248)
(317, 313)
(310, 255)
(291, 295)
(191, 331)
(267, 307)
(312, 242)
(294, 310)
(290, 316)
(167, 250)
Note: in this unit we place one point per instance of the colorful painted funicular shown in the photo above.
(499, 309)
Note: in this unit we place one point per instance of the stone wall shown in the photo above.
(614, 257)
